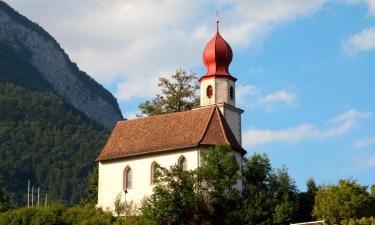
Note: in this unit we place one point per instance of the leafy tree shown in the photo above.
(178, 94)
(306, 202)
(174, 199)
(218, 178)
(373, 190)
(344, 201)
(120, 206)
(92, 188)
(269, 196)
(4, 200)
(206, 195)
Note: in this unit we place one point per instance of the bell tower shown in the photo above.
(217, 86)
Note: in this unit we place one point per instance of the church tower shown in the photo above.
(217, 86)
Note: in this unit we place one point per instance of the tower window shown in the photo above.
(209, 91)
(231, 93)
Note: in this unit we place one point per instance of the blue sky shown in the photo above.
(305, 69)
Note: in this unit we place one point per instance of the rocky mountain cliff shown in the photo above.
(18, 34)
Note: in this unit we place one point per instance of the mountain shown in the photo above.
(20, 35)
(54, 118)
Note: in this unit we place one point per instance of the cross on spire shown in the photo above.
(217, 21)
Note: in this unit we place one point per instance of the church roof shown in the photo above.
(198, 127)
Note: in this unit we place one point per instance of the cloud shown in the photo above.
(364, 142)
(280, 96)
(363, 41)
(244, 91)
(370, 162)
(370, 4)
(340, 125)
(134, 41)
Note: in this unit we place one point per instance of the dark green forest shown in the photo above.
(42, 138)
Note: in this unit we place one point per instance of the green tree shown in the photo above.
(174, 199)
(4, 200)
(306, 201)
(269, 195)
(178, 94)
(206, 195)
(92, 188)
(218, 178)
(344, 201)
(120, 207)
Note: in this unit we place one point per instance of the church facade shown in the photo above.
(135, 148)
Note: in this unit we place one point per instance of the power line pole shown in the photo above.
(38, 196)
(32, 196)
(28, 194)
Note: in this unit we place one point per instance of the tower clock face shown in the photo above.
(209, 91)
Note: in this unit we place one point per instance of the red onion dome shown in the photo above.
(217, 56)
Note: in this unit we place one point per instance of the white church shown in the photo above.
(128, 161)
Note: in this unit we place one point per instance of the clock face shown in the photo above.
(209, 91)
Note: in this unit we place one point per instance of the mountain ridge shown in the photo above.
(66, 80)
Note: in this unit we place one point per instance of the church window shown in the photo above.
(154, 172)
(231, 93)
(182, 163)
(209, 91)
(128, 178)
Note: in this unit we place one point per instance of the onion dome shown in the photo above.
(217, 56)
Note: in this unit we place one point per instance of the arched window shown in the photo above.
(231, 93)
(128, 178)
(154, 169)
(209, 91)
(182, 163)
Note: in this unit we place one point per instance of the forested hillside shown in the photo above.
(47, 141)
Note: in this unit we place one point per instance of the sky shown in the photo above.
(305, 69)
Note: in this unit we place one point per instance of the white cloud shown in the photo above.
(363, 41)
(370, 162)
(340, 125)
(370, 4)
(244, 91)
(135, 40)
(280, 96)
(364, 142)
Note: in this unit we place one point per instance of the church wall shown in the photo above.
(111, 175)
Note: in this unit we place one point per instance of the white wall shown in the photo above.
(111, 175)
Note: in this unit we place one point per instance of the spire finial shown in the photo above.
(217, 21)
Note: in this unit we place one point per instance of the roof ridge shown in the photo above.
(160, 115)
(208, 123)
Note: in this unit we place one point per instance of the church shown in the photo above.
(136, 147)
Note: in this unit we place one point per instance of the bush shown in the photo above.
(363, 221)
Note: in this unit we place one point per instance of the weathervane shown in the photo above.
(217, 21)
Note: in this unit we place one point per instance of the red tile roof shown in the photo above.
(198, 127)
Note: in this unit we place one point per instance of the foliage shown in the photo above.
(47, 141)
(206, 195)
(178, 94)
(120, 207)
(57, 214)
(217, 179)
(362, 221)
(91, 196)
(306, 201)
(5, 202)
(269, 195)
(174, 199)
(345, 201)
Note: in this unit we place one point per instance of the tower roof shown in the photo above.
(217, 56)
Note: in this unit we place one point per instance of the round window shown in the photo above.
(209, 91)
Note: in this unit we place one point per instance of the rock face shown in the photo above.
(54, 65)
